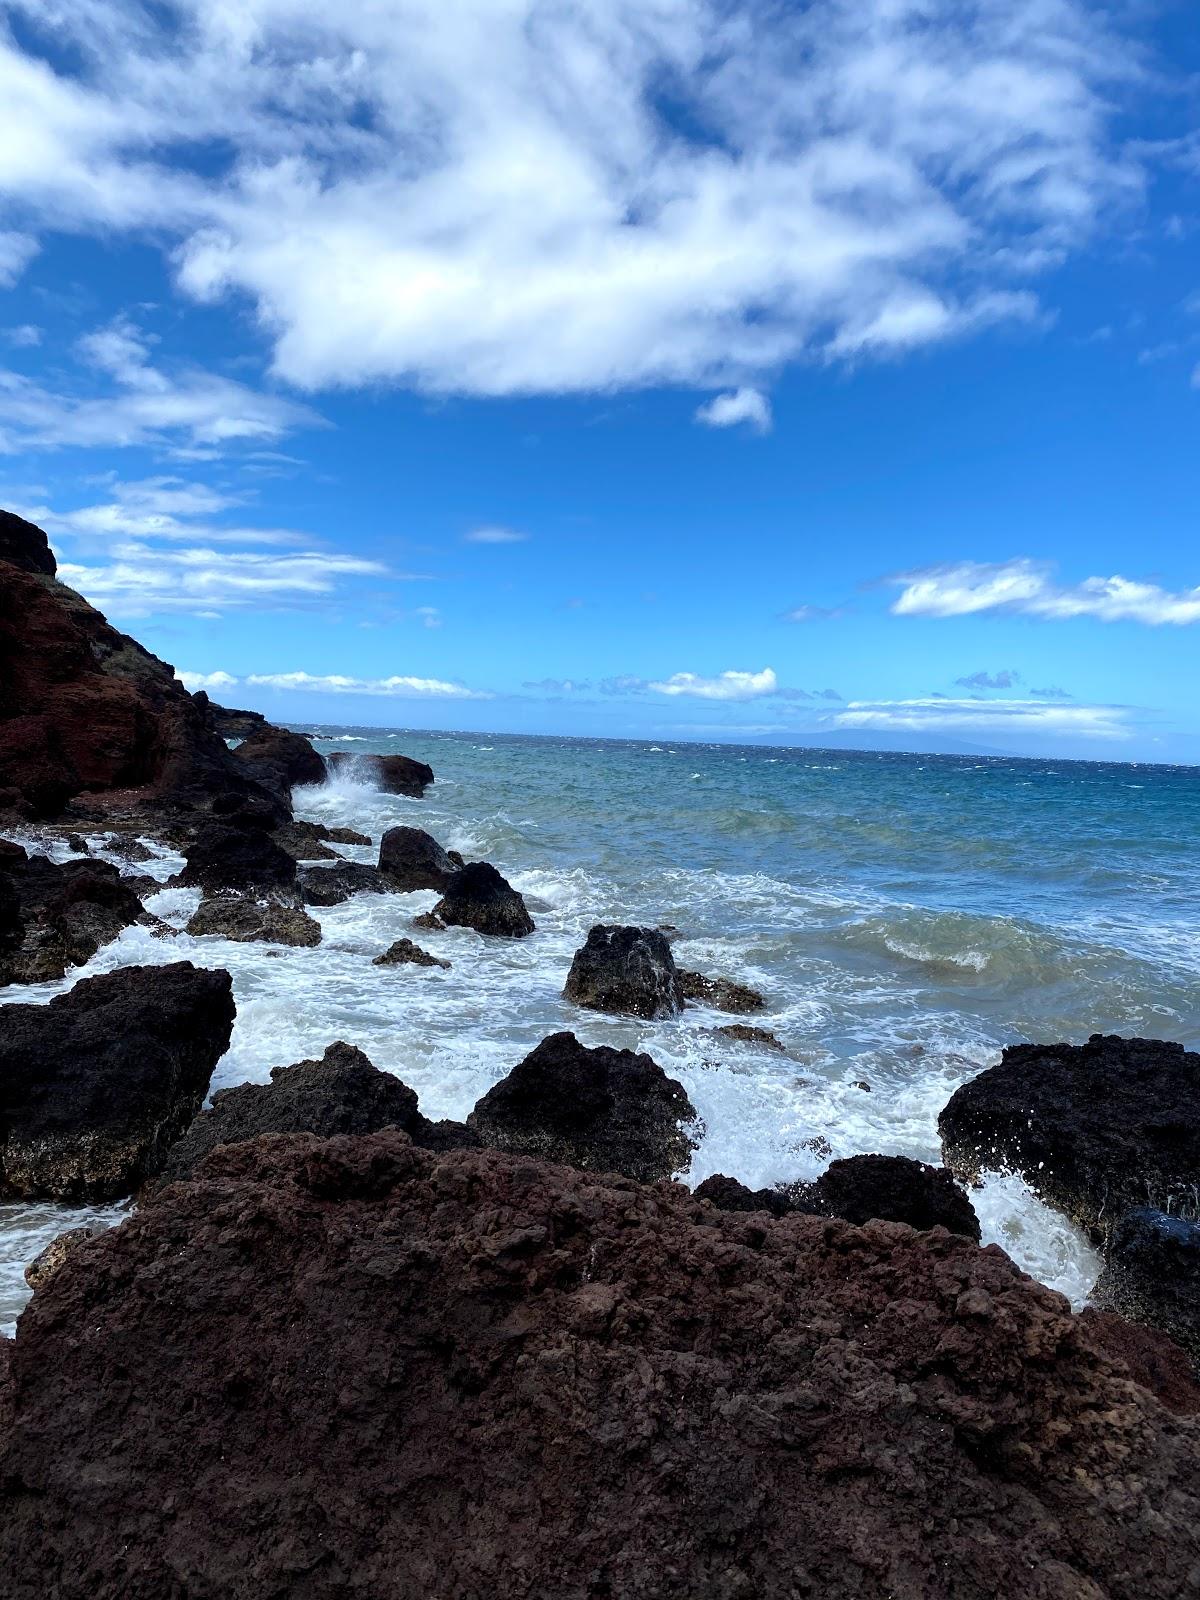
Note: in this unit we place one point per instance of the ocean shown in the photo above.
(906, 917)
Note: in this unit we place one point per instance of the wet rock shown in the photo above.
(721, 993)
(343, 835)
(746, 1033)
(354, 1367)
(304, 842)
(332, 886)
(391, 774)
(426, 922)
(342, 1092)
(48, 1261)
(415, 859)
(280, 760)
(630, 971)
(405, 953)
(476, 896)
(96, 1085)
(127, 847)
(77, 844)
(894, 1189)
(247, 921)
(236, 857)
(1096, 1130)
(1152, 1275)
(728, 1194)
(604, 1109)
(58, 916)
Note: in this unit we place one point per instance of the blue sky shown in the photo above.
(671, 369)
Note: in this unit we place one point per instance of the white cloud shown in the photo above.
(158, 508)
(17, 250)
(397, 688)
(726, 686)
(984, 716)
(495, 199)
(1027, 587)
(492, 534)
(738, 405)
(430, 616)
(25, 336)
(206, 680)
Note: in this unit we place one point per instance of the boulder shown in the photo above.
(414, 859)
(47, 1262)
(97, 1085)
(331, 886)
(721, 993)
(303, 841)
(240, 858)
(603, 1109)
(1096, 1129)
(630, 971)
(729, 1194)
(245, 921)
(745, 1033)
(232, 724)
(58, 916)
(1152, 1275)
(353, 1367)
(476, 896)
(343, 1092)
(405, 953)
(279, 759)
(391, 774)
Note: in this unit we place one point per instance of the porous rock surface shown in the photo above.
(626, 970)
(478, 897)
(245, 920)
(391, 774)
(1152, 1275)
(404, 953)
(604, 1109)
(54, 917)
(723, 994)
(232, 855)
(331, 886)
(97, 1085)
(356, 1368)
(415, 860)
(1094, 1129)
(280, 759)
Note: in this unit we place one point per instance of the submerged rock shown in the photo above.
(54, 917)
(415, 860)
(626, 970)
(245, 921)
(609, 1110)
(354, 1367)
(332, 886)
(405, 953)
(745, 1033)
(342, 1092)
(721, 993)
(478, 897)
(1152, 1275)
(391, 774)
(97, 1085)
(1096, 1129)
(226, 856)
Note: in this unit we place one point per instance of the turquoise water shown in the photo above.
(905, 916)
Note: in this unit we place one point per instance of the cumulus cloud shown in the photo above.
(990, 680)
(492, 534)
(540, 198)
(750, 406)
(1029, 588)
(940, 715)
(726, 686)
(206, 680)
(396, 688)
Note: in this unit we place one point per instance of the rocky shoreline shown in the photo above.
(363, 1330)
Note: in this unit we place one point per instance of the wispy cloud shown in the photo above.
(938, 715)
(1028, 587)
(1004, 679)
(490, 533)
(25, 336)
(738, 406)
(395, 688)
(17, 250)
(725, 686)
(158, 508)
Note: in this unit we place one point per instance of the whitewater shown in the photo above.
(906, 917)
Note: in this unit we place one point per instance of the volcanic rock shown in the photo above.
(894, 1189)
(232, 724)
(53, 917)
(356, 1368)
(245, 920)
(390, 774)
(414, 859)
(280, 760)
(343, 1092)
(476, 896)
(25, 546)
(729, 1194)
(223, 857)
(626, 970)
(1152, 1275)
(721, 993)
(405, 953)
(96, 1085)
(331, 886)
(47, 1262)
(745, 1033)
(1096, 1129)
(603, 1109)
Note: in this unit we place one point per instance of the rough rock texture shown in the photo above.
(355, 1368)
(730, 1194)
(245, 921)
(343, 1092)
(85, 711)
(1152, 1359)
(224, 857)
(54, 917)
(414, 859)
(280, 759)
(1094, 1129)
(391, 774)
(746, 1033)
(47, 1262)
(625, 970)
(233, 724)
(426, 922)
(405, 953)
(1152, 1275)
(96, 1085)
(604, 1109)
(478, 897)
(330, 886)
(303, 841)
(721, 993)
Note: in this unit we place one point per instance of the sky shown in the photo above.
(688, 369)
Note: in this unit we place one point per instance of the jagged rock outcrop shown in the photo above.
(626, 970)
(86, 714)
(357, 1368)
(391, 774)
(604, 1109)
(245, 921)
(1152, 1275)
(478, 897)
(1094, 1129)
(723, 994)
(730, 1194)
(97, 1085)
(403, 952)
(54, 917)
(342, 1092)
(225, 856)
(231, 723)
(331, 886)
(280, 760)
(415, 860)
(47, 1262)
